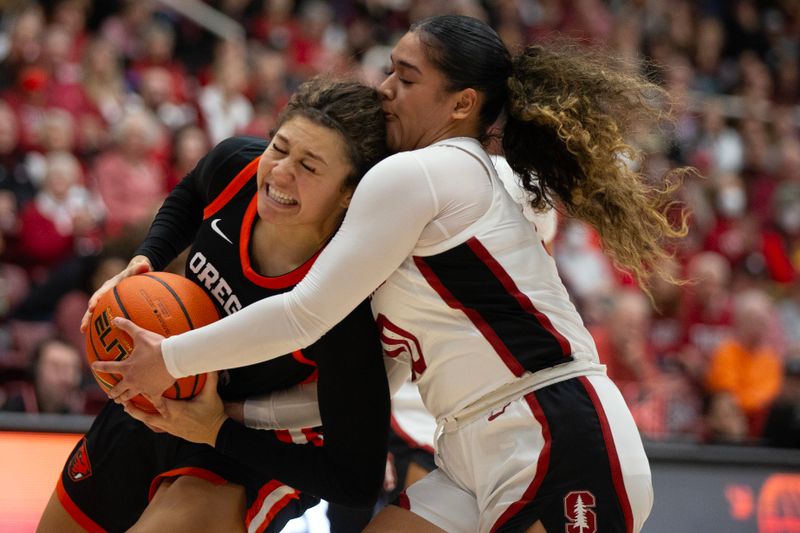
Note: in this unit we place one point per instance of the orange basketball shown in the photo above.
(158, 301)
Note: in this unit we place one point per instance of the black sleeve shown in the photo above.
(355, 408)
(177, 221)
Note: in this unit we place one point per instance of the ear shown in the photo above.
(345, 201)
(466, 104)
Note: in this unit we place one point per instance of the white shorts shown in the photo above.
(568, 455)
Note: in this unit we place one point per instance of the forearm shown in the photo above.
(293, 408)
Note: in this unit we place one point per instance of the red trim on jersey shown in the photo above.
(269, 282)
(74, 511)
(402, 501)
(525, 302)
(613, 457)
(303, 360)
(542, 465)
(283, 435)
(192, 471)
(477, 320)
(313, 437)
(277, 507)
(408, 438)
(312, 378)
(232, 188)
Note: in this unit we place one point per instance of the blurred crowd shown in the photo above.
(104, 106)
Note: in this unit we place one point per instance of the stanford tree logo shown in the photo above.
(578, 507)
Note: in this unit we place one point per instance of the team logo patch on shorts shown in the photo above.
(578, 507)
(79, 467)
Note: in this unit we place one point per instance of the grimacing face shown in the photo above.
(301, 176)
(416, 104)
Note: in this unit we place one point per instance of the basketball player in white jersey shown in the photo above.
(531, 434)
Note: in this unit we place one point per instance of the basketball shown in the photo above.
(164, 303)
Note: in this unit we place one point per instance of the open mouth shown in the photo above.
(280, 197)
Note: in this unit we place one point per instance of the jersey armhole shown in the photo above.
(232, 188)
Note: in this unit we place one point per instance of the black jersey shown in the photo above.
(213, 210)
(222, 188)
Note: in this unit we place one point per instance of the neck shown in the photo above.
(276, 250)
(456, 129)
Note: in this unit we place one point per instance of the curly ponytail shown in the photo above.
(568, 119)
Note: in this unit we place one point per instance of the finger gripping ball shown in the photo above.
(158, 301)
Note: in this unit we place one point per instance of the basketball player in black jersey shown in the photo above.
(256, 216)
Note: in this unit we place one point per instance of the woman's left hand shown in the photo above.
(196, 420)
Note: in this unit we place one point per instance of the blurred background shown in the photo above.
(105, 105)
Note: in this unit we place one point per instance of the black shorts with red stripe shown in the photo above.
(114, 471)
(580, 477)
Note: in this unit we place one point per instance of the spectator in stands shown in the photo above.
(719, 146)
(665, 333)
(586, 271)
(158, 95)
(128, 177)
(29, 98)
(735, 233)
(16, 187)
(125, 29)
(24, 42)
(55, 386)
(58, 134)
(189, 144)
(662, 403)
(62, 220)
(782, 427)
(746, 364)
(725, 422)
(158, 51)
(224, 108)
(72, 15)
(707, 311)
(781, 239)
(103, 82)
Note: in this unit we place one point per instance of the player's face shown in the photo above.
(415, 100)
(301, 177)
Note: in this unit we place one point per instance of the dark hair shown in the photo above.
(470, 54)
(568, 114)
(350, 108)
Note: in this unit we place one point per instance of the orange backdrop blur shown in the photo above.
(29, 467)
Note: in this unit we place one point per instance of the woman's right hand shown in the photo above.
(138, 265)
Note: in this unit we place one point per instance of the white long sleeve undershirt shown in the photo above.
(297, 407)
(424, 196)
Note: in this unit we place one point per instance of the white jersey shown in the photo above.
(463, 287)
(478, 310)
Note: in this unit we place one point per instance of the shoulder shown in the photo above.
(226, 160)
(234, 152)
(231, 155)
(431, 160)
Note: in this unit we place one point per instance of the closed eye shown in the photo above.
(389, 71)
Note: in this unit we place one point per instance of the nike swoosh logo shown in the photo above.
(218, 231)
